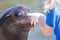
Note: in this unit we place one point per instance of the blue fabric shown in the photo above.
(57, 19)
(57, 38)
(49, 18)
(57, 23)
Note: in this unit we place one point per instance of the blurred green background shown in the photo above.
(34, 5)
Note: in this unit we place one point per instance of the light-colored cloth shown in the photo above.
(36, 34)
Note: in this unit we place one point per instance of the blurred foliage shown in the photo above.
(34, 5)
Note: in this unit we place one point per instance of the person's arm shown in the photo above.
(46, 23)
(44, 27)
